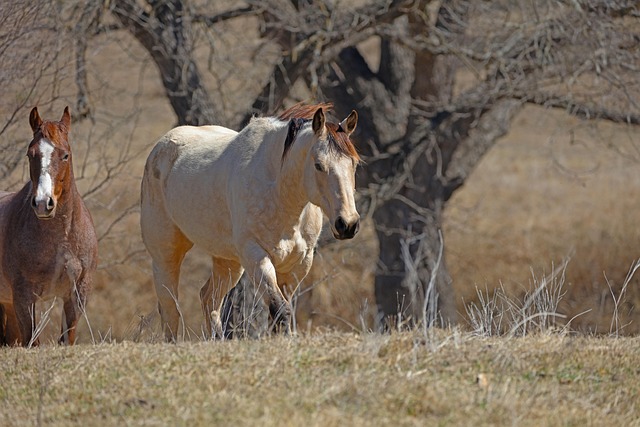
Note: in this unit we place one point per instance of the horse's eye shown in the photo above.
(65, 157)
(319, 167)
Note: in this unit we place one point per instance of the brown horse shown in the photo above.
(48, 245)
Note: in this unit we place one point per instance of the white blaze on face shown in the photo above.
(45, 184)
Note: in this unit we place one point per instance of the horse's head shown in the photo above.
(50, 168)
(330, 173)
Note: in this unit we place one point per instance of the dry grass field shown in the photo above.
(330, 379)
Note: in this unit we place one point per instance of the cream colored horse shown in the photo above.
(252, 200)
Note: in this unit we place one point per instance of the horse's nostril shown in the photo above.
(341, 225)
(33, 202)
(50, 203)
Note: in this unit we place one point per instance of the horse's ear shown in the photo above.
(349, 124)
(318, 121)
(34, 119)
(66, 118)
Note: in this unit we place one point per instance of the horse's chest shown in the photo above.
(51, 270)
(64, 268)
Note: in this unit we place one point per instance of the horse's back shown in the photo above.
(186, 142)
(183, 183)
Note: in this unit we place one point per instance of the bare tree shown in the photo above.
(162, 27)
(421, 131)
(451, 77)
(30, 56)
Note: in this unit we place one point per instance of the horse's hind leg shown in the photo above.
(167, 246)
(167, 259)
(224, 276)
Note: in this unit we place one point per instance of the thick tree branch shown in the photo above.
(580, 109)
(164, 34)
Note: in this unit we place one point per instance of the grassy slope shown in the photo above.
(328, 379)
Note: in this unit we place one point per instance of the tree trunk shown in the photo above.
(164, 33)
(411, 251)
(403, 180)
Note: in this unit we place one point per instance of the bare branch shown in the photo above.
(210, 20)
(581, 110)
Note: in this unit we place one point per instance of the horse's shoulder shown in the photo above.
(87, 225)
(5, 196)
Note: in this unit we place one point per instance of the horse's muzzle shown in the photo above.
(44, 209)
(344, 230)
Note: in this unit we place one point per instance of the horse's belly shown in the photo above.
(60, 288)
(200, 212)
(45, 285)
(214, 243)
(58, 276)
(207, 228)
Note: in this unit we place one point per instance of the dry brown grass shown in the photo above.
(554, 188)
(446, 378)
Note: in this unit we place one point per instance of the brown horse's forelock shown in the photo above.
(340, 141)
(55, 132)
(300, 113)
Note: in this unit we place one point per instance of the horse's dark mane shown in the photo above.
(300, 113)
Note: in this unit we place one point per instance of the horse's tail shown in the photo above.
(153, 185)
(156, 170)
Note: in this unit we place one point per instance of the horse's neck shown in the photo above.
(290, 176)
(287, 174)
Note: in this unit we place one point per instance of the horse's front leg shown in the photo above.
(9, 323)
(24, 304)
(69, 322)
(263, 275)
(73, 308)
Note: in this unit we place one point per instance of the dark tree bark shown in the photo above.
(406, 159)
(163, 30)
